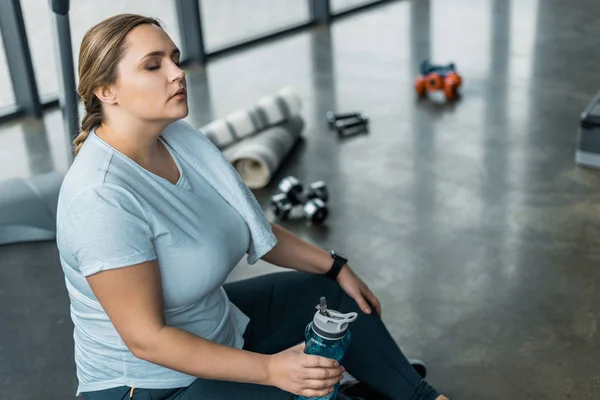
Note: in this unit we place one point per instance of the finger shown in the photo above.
(362, 303)
(312, 361)
(373, 300)
(323, 373)
(317, 384)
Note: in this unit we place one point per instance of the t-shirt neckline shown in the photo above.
(136, 165)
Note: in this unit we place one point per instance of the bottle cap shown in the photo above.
(331, 324)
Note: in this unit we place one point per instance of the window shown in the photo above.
(83, 14)
(228, 21)
(7, 96)
(342, 5)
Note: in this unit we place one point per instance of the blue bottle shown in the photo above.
(327, 335)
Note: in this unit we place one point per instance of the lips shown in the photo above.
(180, 91)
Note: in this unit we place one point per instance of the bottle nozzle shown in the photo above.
(331, 324)
(322, 307)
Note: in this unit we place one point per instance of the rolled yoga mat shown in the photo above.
(257, 158)
(241, 124)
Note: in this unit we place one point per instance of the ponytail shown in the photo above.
(91, 119)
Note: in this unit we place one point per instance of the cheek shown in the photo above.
(142, 93)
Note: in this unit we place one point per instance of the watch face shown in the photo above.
(336, 254)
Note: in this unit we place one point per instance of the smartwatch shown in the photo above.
(338, 262)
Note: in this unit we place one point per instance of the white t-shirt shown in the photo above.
(113, 213)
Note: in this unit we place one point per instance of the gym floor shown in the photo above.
(469, 220)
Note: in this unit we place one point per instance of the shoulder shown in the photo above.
(97, 204)
(101, 200)
(88, 171)
(91, 177)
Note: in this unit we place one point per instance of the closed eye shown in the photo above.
(153, 65)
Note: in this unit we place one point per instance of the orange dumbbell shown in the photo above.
(438, 77)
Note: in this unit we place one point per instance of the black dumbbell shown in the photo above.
(351, 127)
(292, 194)
(281, 206)
(332, 117)
(348, 123)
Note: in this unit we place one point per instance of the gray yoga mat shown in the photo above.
(242, 124)
(257, 158)
(28, 208)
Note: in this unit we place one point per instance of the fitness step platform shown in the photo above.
(588, 142)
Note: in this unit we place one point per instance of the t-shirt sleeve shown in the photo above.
(105, 228)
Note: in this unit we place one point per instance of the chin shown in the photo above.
(179, 113)
(183, 113)
(168, 115)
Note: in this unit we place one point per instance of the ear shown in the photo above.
(106, 94)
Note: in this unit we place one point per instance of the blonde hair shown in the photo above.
(102, 48)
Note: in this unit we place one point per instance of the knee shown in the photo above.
(315, 286)
(337, 298)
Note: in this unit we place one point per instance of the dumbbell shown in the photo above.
(334, 118)
(343, 123)
(292, 194)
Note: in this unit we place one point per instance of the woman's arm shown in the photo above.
(131, 297)
(295, 253)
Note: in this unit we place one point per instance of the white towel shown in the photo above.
(220, 174)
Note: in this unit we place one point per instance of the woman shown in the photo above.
(151, 220)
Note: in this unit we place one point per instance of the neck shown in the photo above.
(136, 139)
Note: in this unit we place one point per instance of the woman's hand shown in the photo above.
(303, 374)
(358, 290)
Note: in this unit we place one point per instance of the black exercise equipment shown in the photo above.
(347, 124)
(419, 366)
(292, 194)
(332, 117)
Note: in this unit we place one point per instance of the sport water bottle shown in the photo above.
(327, 335)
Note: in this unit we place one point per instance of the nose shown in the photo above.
(176, 73)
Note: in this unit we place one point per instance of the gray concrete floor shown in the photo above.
(470, 221)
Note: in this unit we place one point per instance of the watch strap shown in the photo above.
(335, 269)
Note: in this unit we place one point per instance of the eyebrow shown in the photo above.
(161, 53)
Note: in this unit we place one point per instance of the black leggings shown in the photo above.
(279, 306)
